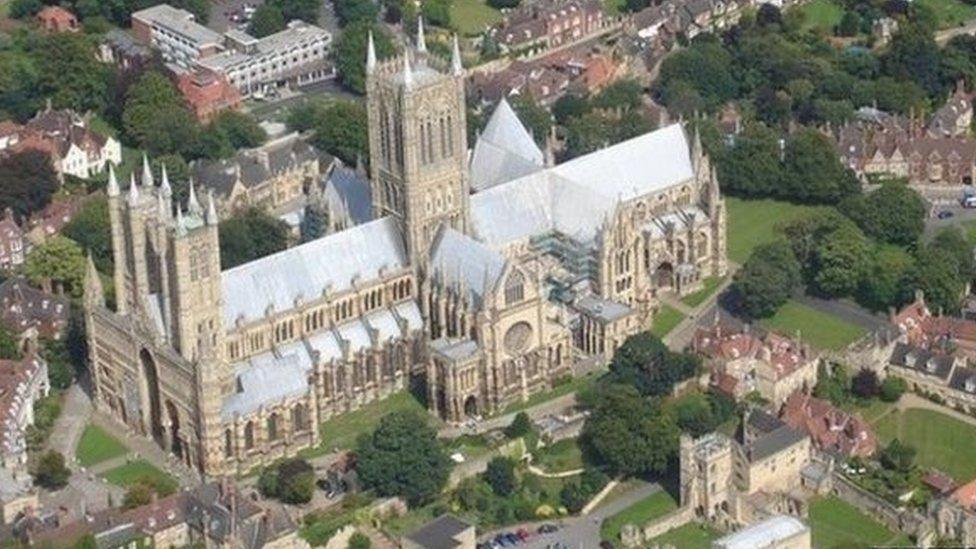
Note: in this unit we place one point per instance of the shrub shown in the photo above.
(51, 472)
(892, 388)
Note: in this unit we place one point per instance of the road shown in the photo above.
(943, 36)
(582, 532)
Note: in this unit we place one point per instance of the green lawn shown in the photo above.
(654, 506)
(820, 329)
(942, 442)
(564, 455)
(132, 472)
(340, 432)
(870, 410)
(472, 17)
(835, 523)
(693, 535)
(753, 222)
(821, 15)
(708, 288)
(97, 446)
(571, 386)
(665, 320)
(951, 13)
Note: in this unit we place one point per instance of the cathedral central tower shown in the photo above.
(418, 142)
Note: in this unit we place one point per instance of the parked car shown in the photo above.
(523, 534)
(944, 214)
(547, 529)
(502, 541)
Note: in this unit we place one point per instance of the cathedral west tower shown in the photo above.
(418, 143)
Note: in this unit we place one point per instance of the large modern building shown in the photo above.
(297, 55)
(483, 298)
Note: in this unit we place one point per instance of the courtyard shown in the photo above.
(943, 442)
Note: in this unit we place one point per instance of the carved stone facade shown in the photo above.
(233, 369)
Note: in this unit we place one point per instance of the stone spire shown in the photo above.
(211, 210)
(370, 54)
(161, 206)
(133, 189)
(147, 177)
(407, 73)
(456, 67)
(421, 41)
(113, 183)
(164, 186)
(180, 228)
(94, 294)
(192, 204)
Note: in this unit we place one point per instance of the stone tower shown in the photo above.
(418, 142)
(167, 271)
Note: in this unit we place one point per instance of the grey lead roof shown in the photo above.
(604, 309)
(263, 380)
(504, 150)
(304, 272)
(575, 197)
(348, 193)
(460, 259)
(439, 533)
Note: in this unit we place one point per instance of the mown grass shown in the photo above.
(821, 330)
(666, 319)
(942, 442)
(96, 445)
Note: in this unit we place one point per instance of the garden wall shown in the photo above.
(899, 520)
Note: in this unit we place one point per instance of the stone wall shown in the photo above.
(633, 536)
(899, 520)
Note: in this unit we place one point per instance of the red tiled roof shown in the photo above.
(831, 429)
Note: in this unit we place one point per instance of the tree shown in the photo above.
(502, 4)
(242, 130)
(952, 241)
(267, 19)
(402, 457)
(865, 384)
(892, 388)
(841, 261)
(138, 494)
(340, 128)
(500, 475)
(913, 55)
(623, 95)
(249, 236)
(833, 384)
(850, 24)
(936, 274)
(814, 173)
(704, 67)
(644, 362)
(351, 12)
(351, 52)
(885, 284)
(572, 497)
(767, 279)
(898, 456)
(895, 213)
(60, 363)
(315, 222)
(9, 349)
(520, 426)
(27, 182)
(752, 167)
(51, 472)
(694, 415)
(569, 106)
(437, 12)
(91, 229)
(358, 540)
(58, 262)
(290, 481)
(70, 74)
(625, 433)
(157, 120)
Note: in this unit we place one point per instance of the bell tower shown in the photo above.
(418, 142)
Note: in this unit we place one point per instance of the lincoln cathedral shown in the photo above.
(482, 276)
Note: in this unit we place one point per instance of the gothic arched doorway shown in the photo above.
(471, 406)
(664, 275)
(174, 428)
(150, 376)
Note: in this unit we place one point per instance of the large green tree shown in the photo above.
(249, 236)
(895, 213)
(767, 279)
(646, 363)
(69, 73)
(339, 128)
(90, 228)
(157, 120)
(402, 457)
(267, 19)
(27, 182)
(59, 263)
(752, 167)
(814, 173)
(842, 259)
(350, 52)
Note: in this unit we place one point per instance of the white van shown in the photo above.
(969, 201)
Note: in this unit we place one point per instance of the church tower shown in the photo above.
(418, 142)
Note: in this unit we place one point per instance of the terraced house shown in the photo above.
(482, 298)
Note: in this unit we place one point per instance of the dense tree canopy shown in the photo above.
(156, 119)
(767, 279)
(645, 363)
(351, 52)
(249, 236)
(58, 263)
(90, 228)
(895, 213)
(27, 182)
(402, 457)
(338, 127)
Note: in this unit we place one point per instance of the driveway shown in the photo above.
(583, 532)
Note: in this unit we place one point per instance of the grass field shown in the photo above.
(665, 320)
(134, 471)
(564, 455)
(834, 523)
(821, 15)
(951, 13)
(821, 330)
(753, 222)
(97, 446)
(341, 431)
(942, 442)
(708, 288)
(693, 535)
(472, 17)
(656, 505)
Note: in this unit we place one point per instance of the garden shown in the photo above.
(835, 523)
(942, 442)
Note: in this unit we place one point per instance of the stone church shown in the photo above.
(482, 276)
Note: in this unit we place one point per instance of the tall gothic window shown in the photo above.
(514, 288)
(443, 138)
(249, 435)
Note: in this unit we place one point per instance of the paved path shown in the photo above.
(943, 36)
(148, 450)
(681, 335)
(910, 401)
(75, 411)
(582, 532)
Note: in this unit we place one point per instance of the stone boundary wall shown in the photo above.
(899, 520)
(676, 518)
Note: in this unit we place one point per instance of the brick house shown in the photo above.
(207, 93)
(548, 24)
(57, 19)
(833, 430)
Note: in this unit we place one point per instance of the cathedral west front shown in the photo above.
(482, 277)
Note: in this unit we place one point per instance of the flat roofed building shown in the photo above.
(444, 532)
(779, 532)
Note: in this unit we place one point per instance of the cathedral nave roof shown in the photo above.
(504, 151)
